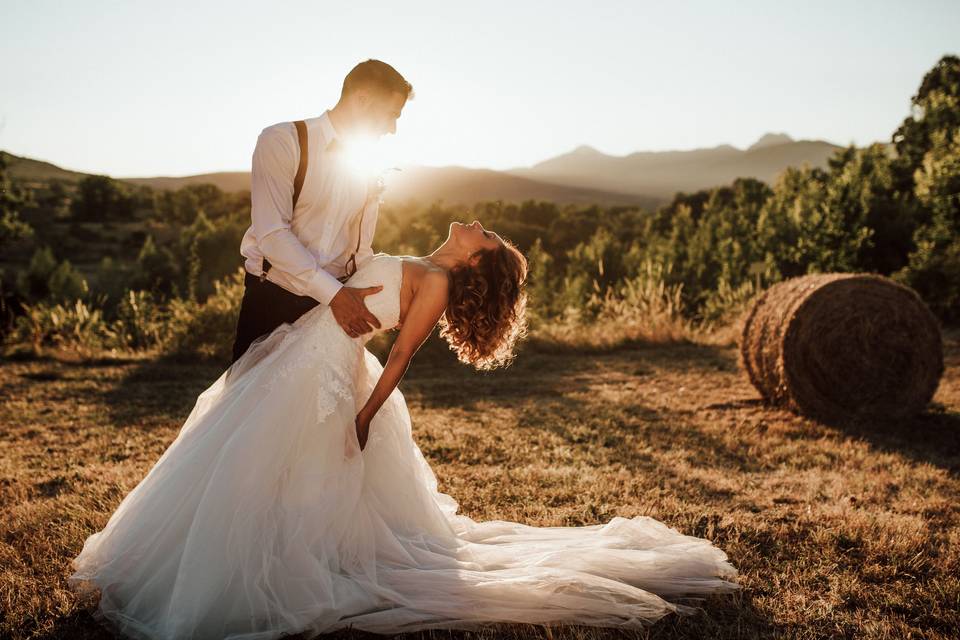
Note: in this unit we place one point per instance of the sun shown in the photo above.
(362, 157)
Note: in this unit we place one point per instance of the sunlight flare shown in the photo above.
(363, 156)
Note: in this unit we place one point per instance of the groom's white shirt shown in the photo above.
(308, 247)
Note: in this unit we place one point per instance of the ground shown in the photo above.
(836, 532)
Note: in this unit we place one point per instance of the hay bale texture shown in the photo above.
(839, 347)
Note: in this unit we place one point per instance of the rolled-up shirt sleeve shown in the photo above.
(275, 160)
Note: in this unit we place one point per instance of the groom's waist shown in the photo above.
(267, 266)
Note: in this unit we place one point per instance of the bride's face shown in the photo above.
(471, 238)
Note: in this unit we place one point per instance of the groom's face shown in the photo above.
(381, 111)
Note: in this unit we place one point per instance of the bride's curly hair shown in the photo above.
(486, 308)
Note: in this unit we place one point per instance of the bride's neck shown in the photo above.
(444, 257)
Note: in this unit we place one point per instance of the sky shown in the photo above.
(137, 89)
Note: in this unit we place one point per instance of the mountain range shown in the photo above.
(583, 175)
(660, 174)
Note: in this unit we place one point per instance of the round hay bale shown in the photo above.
(843, 346)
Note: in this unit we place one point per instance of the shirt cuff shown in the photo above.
(323, 286)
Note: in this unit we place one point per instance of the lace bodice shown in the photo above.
(387, 270)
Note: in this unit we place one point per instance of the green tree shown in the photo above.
(787, 223)
(33, 284)
(66, 283)
(156, 269)
(934, 267)
(540, 283)
(101, 198)
(55, 199)
(725, 242)
(592, 267)
(935, 107)
(210, 252)
(46, 279)
(12, 198)
(112, 279)
(181, 206)
(867, 226)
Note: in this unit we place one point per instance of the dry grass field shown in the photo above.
(837, 532)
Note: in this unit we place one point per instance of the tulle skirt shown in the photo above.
(263, 518)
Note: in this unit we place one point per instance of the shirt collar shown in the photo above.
(326, 126)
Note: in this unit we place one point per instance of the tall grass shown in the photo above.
(641, 308)
(575, 312)
(143, 324)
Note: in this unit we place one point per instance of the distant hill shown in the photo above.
(770, 140)
(581, 176)
(467, 186)
(28, 170)
(454, 185)
(662, 173)
(227, 181)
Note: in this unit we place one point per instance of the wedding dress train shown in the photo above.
(264, 518)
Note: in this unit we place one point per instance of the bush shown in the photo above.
(141, 323)
(156, 269)
(643, 308)
(47, 280)
(178, 327)
(76, 326)
(207, 329)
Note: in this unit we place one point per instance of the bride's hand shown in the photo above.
(363, 430)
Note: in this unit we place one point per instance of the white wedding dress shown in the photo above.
(264, 518)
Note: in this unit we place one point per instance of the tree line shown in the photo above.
(892, 210)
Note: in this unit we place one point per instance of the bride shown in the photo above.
(294, 499)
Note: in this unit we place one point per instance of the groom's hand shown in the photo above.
(351, 313)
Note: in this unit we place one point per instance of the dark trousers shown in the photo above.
(265, 306)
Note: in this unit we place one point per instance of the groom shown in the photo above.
(298, 256)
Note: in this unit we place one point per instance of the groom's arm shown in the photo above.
(274, 164)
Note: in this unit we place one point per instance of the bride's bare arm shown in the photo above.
(425, 310)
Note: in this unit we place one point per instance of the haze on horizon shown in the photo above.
(179, 88)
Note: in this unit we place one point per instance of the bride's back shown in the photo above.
(414, 270)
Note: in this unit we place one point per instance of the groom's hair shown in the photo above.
(378, 75)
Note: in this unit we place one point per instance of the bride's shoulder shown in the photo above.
(427, 277)
(435, 285)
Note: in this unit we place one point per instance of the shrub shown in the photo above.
(77, 326)
(140, 323)
(642, 308)
(207, 329)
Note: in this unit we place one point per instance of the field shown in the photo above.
(836, 532)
